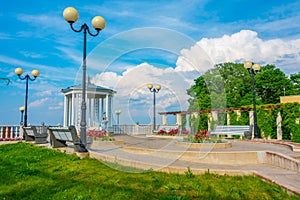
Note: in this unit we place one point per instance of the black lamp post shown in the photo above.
(22, 108)
(253, 68)
(154, 90)
(35, 73)
(71, 16)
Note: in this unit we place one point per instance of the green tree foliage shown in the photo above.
(295, 78)
(271, 83)
(229, 85)
(200, 98)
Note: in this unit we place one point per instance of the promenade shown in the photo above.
(150, 154)
(160, 154)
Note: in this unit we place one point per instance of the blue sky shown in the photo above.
(161, 42)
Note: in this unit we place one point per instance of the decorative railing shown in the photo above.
(132, 129)
(14, 132)
(10, 132)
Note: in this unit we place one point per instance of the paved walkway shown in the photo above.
(285, 178)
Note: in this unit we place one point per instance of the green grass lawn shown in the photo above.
(31, 172)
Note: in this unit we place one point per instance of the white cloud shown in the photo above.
(31, 54)
(38, 103)
(133, 96)
(57, 107)
(238, 47)
(44, 93)
(246, 45)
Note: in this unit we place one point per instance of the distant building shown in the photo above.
(290, 99)
(98, 105)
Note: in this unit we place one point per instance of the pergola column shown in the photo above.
(164, 119)
(178, 119)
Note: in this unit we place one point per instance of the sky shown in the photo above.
(159, 42)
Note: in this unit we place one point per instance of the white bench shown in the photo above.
(231, 130)
(59, 137)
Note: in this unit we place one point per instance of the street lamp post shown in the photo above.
(118, 112)
(35, 73)
(154, 90)
(22, 108)
(71, 16)
(253, 68)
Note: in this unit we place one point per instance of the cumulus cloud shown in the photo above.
(247, 45)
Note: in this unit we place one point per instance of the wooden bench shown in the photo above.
(60, 136)
(167, 127)
(31, 134)
(231, 130)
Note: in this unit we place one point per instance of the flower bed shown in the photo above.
(171, 132)
(202, 139)
(101, 135)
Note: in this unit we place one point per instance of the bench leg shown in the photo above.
(57, 143)
(29, 137)
(78, 147)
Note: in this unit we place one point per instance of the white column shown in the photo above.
(106, 106)
(279, 130)
(79, 99)
(89, 108)
(164, 119)
(178, 119)
(65, 110)
(209, 121)
(214, 115)
(102, 109)
(109, 115)
(93, 111)
(238, 115)
(228, 118)
(69, 111)
(73, 109)
(97, 111)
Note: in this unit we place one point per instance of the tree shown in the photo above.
(200, 98)
(231, 84)
(271, 83)
(226, 85)
(295, 78)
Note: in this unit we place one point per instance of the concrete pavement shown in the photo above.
(164, 155)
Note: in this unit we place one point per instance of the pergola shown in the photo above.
(98, 103)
